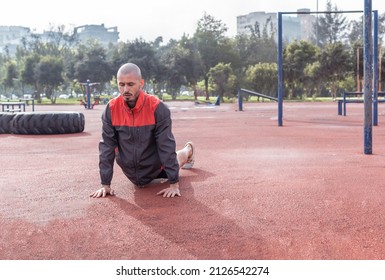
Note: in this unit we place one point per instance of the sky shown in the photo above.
(149, 19)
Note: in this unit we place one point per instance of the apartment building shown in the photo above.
(12, 36)
(101, 33)
(298, 27)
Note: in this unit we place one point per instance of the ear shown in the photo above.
(141, 83)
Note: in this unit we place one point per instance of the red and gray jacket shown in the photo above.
(143, 140)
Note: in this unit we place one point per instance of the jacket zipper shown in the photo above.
(136, 137)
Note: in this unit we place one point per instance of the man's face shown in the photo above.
(130, 86)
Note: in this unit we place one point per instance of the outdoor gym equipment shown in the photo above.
(244, 92)
(87, 103)
(370, 68)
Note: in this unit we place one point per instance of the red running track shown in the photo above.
(258, 191)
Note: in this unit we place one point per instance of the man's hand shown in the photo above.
(103, 192)
(171, 191)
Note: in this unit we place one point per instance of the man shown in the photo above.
(137, 133)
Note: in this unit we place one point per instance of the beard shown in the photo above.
(130, 98)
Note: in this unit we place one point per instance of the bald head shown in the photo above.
(130, 83)
(129, 68)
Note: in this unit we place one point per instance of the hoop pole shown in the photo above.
(368, 76)
(280, 71)
(375, 67)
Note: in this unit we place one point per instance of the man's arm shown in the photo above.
(166, 147)
(106, 155)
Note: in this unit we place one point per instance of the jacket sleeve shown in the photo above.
(107, 146)
(165, 142)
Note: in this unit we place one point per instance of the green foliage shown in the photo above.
(262, 78)
(91, 64)
(174, 59)
(139, 52)
(331, 27)
(11, 74)
(296, 58)
(222, 78)
(48, 73)
(209, 39)
(335, 63)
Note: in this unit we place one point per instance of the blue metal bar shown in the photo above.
(240, 108)
(280, 71)
(375, 67)
(258, 94)
(88, 95)
(320, 12)
(368, 77)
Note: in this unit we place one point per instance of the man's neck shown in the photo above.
(131, 104)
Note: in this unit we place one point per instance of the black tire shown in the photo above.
(48, 123)
(6, 122)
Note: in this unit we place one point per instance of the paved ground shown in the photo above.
(258, 191)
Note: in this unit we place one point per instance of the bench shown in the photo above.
(346, 99)
(12, 107)
(26, 100)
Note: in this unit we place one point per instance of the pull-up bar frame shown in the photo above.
(371, 64)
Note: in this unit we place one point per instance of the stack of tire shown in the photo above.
(41, 122)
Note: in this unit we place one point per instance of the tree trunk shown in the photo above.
(207, 87)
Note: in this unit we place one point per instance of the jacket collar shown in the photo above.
(139, 102)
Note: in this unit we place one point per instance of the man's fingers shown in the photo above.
(161, 192)
(102, 193)
(169, 193)
(94, 194)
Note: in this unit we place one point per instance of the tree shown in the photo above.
(92, 64)
(356, 33)
(335, 63)
(10, 76)
(331, 27)
(296, 57)
(208, 38)
(28, 74)
(382, 72)
(173, 58)
(220, 75)
(193, 64)
(256, 48)
(381, 28)
(262, 78)
(141, 53)
(48, 73)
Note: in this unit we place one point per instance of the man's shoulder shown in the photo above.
(153, 101)
(152, 98)
(116, 101)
